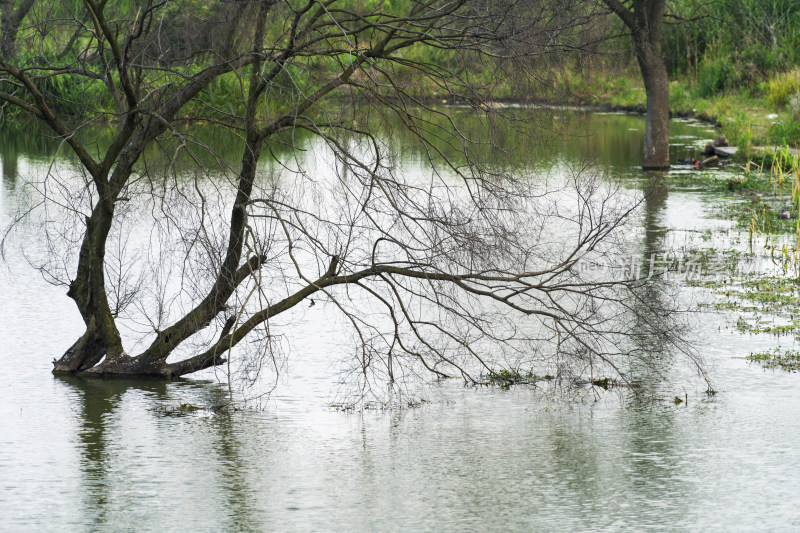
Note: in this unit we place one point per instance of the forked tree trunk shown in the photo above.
(99, 350)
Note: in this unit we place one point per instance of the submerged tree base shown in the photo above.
(127, 367)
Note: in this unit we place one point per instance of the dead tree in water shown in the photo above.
(193, 242)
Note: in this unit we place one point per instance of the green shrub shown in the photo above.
(784, 132)
(782, 86)
(712, 78)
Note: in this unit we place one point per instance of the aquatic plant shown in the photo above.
(787, 360)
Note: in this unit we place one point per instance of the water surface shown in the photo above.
(87, 455)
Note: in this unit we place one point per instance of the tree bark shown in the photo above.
(84, 354)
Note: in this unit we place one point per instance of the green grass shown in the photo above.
(741, 111)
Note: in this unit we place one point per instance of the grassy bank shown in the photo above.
(768, 114)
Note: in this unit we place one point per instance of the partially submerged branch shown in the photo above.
(301, 200)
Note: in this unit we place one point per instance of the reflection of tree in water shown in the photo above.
(660, 292)
(646, 427)
(9, 159)
(235, 468)
(99, 404)
(651, 468)
(634, 450)
(99, 401)
(576, 459)
(656, 192)
(31, 143)
(655, 459)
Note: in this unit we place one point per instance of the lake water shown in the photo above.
(88, 455)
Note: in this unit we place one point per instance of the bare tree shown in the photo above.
(435, 273)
